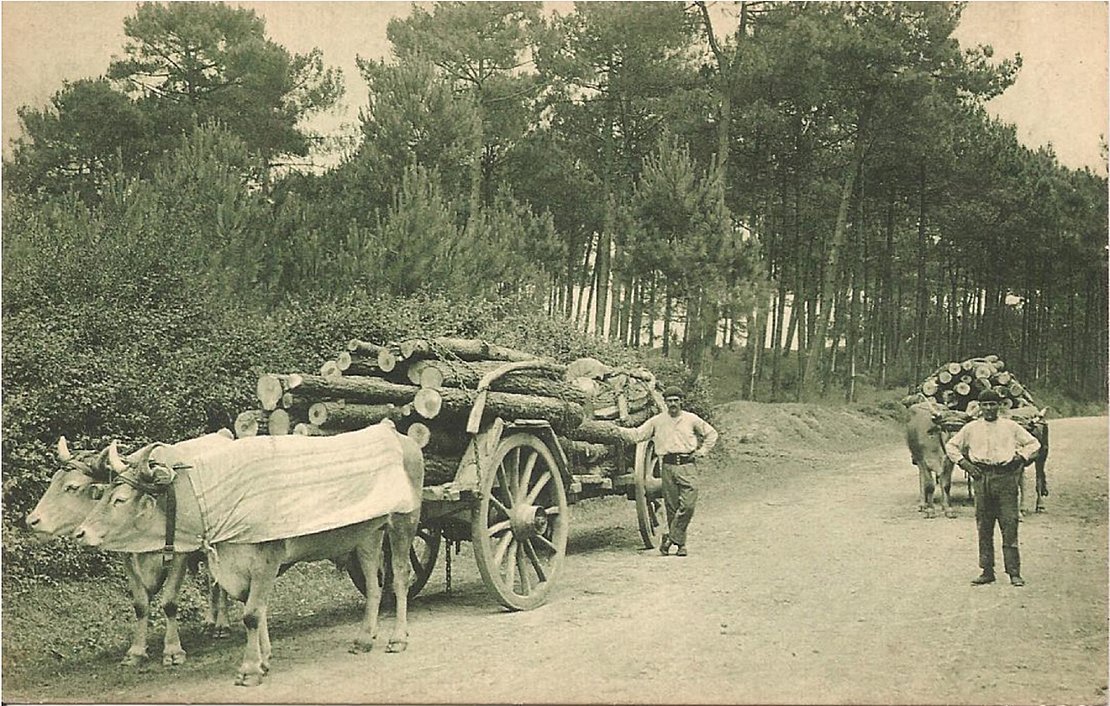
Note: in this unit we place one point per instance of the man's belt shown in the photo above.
(678, 459)
(1008, 467)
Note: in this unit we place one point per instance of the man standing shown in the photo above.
(993, 451)
(680, 437)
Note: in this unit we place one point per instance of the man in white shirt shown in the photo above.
(993, 451)
(680, 437)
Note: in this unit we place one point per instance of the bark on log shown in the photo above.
(542, 382)
(604, 432)
(457, 402)
(352, 388)
(251, 422)
(439, 469)
(463, 348)
(583, 453)
(350, 415)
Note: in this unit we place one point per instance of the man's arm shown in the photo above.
(708, 437)
(640, 433)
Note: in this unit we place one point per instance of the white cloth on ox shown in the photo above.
(266, 488)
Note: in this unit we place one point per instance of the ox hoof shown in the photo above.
(360, 645)
(397, 646)
(173, 659)
(252, 679)
(132, 660)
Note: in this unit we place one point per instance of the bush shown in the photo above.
(184, 363)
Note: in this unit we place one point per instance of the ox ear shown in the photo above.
(114, 461)
(1041, 413)
(64, 453)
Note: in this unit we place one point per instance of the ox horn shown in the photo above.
(114, 461)
(64, 453)
(141, 461)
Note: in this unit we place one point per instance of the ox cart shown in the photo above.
(500, 473)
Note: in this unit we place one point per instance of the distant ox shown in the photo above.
(135, 511)
(73, 493)
(926, 443)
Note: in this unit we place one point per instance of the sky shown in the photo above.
(1060, 97)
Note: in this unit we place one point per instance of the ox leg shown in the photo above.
(401, 535)
(215, 614)
(928, 486)
(140, 601)
(946, 490)
(1041, 485)
(254, 620)
(172, 652)
(369, 553)
(264, 640)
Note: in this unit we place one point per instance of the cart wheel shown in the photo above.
(520, 525)
(422, 559)
(647, 485)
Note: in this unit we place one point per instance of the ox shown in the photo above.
(1039, 430)
(135, 510)
(72, 495)
(926, 442)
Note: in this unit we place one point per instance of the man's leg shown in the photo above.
(984, 526)
(1006, 495)
(670, 504)
(687, 500)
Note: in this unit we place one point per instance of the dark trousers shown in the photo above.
(996, 500)
(680, 496)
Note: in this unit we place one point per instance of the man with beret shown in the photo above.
(680, 438)
(993, 451)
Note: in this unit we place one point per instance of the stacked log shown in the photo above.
(954, 386)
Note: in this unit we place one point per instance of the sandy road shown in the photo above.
(812, 579)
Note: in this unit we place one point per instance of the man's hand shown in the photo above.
(699, 453)
(1018, 462)
(972, 470)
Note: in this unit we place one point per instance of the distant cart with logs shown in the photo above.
(510, 442)
(953, 390)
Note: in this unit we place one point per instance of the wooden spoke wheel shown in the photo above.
(647, 487)
(520, 524)
(422, 559)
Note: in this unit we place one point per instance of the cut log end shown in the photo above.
(427, 403)
(387, 361)
(250, 423)
(279, 423)
(269, 390)
(419, 433)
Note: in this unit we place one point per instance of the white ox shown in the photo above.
(73, 493)
(135, 511)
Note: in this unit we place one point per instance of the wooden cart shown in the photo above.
(510, 498)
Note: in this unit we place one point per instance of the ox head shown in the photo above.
(129, 516)
(73, 491)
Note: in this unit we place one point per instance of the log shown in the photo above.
(349, 416)
(456, 402)
(251, 422)
(419, 433)
(352, 388)
(303, 429)
(583, 453)
(343, 361)
(541, 382)
(269, 391)
(279, 423)
(605, 432)
(439, 469)
(427, 402)
(462, 348)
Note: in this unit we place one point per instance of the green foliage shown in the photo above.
(211, 62)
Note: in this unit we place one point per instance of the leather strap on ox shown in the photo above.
(160, 485)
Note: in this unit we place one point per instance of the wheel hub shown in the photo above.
(528, 521)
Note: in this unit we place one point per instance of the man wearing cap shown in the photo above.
(680, 437)
(993, 451)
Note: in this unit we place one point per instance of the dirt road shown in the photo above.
(812, 579)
